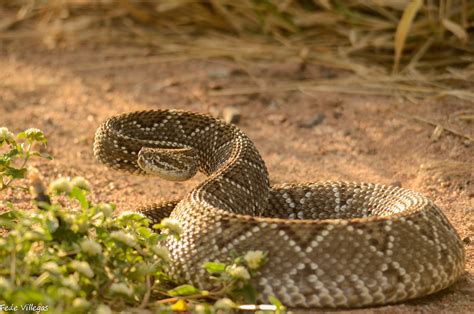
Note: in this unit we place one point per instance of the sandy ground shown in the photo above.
(67, 92)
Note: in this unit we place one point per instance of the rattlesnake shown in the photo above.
(329, 244)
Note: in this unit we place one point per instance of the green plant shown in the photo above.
(19, 149)
(68, 255)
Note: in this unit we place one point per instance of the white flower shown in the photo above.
(224, 304)
(71, 283)
(254, 259)
(130, 215)
(81, 183)
(162, 252)
(127, 213)
(83, 268)
(200, 309)
(51, 267)
(123, 237)
(238, 272)
(172, 224)
(65, 293)
(6, 135)
(107, 209)
(121, 288)
(33, 131)
(60, 185)
(90, 247)
(103, 309)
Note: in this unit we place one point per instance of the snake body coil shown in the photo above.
(329, 244)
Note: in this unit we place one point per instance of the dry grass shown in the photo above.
(409, 48)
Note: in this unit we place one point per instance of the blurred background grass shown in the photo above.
(409, 48)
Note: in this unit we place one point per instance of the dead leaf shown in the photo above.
(437, 132)
(403, 28)
(456, 29)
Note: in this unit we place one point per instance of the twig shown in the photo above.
(146, 297)
(435, 124)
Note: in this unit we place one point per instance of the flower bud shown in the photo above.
(238, 272)
(81, 183)
(60, 185)
(121, 288)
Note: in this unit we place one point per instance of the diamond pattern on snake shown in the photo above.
(330, 244)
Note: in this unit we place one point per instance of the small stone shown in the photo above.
(337, 114)
(107, 87)
(231, 115)
(273, 104)
(276, 118)
(314, 121)
(214, 85)
(372, 151)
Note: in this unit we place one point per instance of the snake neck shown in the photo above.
(225, 154)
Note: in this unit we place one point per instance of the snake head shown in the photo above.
(175, 164)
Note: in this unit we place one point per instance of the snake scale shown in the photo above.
(329, 244)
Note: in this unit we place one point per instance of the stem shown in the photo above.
(210, 295)
(13, 267)
(146, 297)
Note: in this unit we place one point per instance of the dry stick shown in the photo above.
(435, 125)
(146, 297)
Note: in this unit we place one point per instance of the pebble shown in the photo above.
(314, 121)
(276, 118)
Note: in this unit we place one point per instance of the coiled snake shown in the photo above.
(329, 244)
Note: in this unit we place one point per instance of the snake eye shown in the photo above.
(170, 164)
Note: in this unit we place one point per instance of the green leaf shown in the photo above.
(33, 135)
(4, 163)
(249, 293)
(212, 267)
(11, 154)
(145, 232)
(15, 173)
(183, 290)
(52, 223)
(42, 155)
(10, 215)
(273, 300)
(79, 195)
(29, 295)
(7, 224)
(9, 218)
